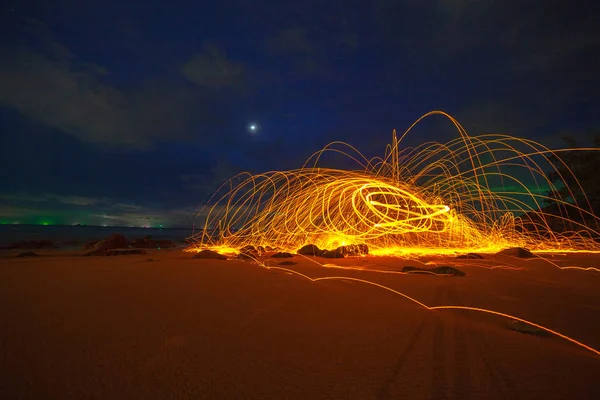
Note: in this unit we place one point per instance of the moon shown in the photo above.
(253, 128)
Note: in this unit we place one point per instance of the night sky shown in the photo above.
(131, 113)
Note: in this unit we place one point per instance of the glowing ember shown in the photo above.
(472, 194)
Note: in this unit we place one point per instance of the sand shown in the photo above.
(176, 327)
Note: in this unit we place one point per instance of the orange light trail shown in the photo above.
(289, 271)
(433, 308)
(471, 194)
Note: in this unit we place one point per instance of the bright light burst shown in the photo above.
(472, 194)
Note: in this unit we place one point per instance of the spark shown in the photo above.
(432, 199)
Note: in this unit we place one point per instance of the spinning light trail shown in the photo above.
(472, 194)
(432, 308)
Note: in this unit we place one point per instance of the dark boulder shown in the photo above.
(441, 270)
(248, 253)
(471, 256)
(114, 241)
(354, 250)
(149, 243)
(249, 249)
(309, 250)
(209, 254)
(332, 254)
(524, 327)
(446, 270)
(28, 254)
(287, 263)
(519, 252)
(124, 252)
(90, 245)
(247, 256)
(410, 268)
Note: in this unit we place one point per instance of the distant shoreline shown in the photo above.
(100, 226)
(75, 236)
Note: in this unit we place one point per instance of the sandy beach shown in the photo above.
(164, 325)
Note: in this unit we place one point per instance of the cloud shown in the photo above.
(15, 212)
(45, 197)
(294, 44)
(71, 96)
(291, 41)
(19, 197)
(71, 209)
(128, 207)
(207, 183)
(556, 47)
(539, 65)
(145, 216)
(499, 116)
(542, 39)
(313, 48)
(53, 86)
(213, 69)
(74, 200)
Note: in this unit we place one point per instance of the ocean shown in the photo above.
(72, 237)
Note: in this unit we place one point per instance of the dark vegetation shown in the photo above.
(580, 172)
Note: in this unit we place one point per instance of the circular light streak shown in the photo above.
(471, 194)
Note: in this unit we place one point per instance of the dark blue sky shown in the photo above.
(125, 113)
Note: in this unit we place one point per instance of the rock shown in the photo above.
(114, 241)
(471, 256)
(28, 254)
(354, 250)
(101, 248)
(310, 250)
(287, 263)
(523, 327)
(249, 249)
(124, 252)
(149, 243)
(282, 254)
(90, 244)
(441, 270)
(332, 254)
(519, 252)
(248, 252)
(446, 270)
(209, 254)
(247, 256)
(416, 270)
